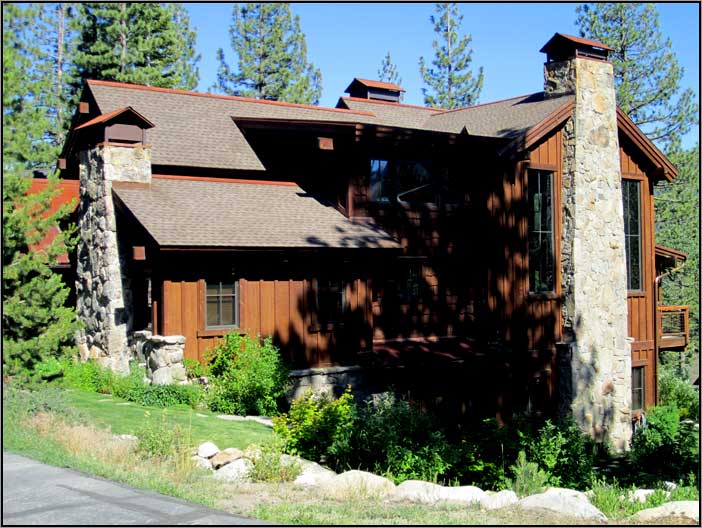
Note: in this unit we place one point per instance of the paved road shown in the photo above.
(37, 494)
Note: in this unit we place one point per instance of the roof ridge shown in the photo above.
(116, 84)
(376, 101)
(491, 102)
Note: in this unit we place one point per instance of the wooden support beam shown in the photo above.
(325, 143)
(138, 253)
(83, 107)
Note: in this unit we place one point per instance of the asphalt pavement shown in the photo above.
(36, 494)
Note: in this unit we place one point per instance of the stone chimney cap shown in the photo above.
(104, 118)
(562, 47)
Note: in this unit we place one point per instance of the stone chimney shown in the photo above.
(111, 147)
(593, 262)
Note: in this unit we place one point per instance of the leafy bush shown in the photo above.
(160, 439)
(666, 438)
(674, 389)
(318, 427)
(529, 479)
(395, 438)
(195, 369)
(87, 376)
(48, 369)
(247, 376)
(273, 466)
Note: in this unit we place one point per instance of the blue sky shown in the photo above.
(347, 40)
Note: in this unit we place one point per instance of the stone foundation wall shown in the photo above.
(104, 302)
(162, 355)
(330, 379)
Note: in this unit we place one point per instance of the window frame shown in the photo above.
(390, 170)
(627, 236)
(531, 171)
(641, 389)
(325, 322)
(237, 304)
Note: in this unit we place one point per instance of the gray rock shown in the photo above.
(207, 450)
(417, 491)
(312, 474)
(162, 376)
(358, 484)
(640, 495)
(499, 500)
(687, 510)
(564, 502)
(237, 471)
(463, 494)
(201, 462)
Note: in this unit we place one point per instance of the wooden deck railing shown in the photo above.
(673, 326)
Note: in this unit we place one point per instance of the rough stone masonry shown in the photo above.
(593, 258)
(102, 287)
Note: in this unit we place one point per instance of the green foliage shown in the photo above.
(48, 369)
(273, 466)
(675, 389)
(529, 479)
(678, 226)
(451, 81)
(665, 437)
(137, 42)
(388, 71)
(271, 56)
(247, 376)
(646, 73)
(20, 402)
(317, 427)
(195, 369)
(395, 438)
(36, 323)
(160, 439)
(87, 376)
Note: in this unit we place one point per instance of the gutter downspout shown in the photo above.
(656, 286)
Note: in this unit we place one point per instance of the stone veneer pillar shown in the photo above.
(102, 285)
(593, 262)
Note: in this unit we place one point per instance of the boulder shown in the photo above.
(207, 450)
(201, 462)
(312, 474)
(463, 494)
(564, 502)
(223, 458)
(417, 491)
(499, 500)
(238, 453)
(358, 484)
(236, 471)
(678, 510)
(641, 495)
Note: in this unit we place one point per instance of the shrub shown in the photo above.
(529, 479)
(48, 369)
(674, 389)
(666, 438)
(273, 466)
(395, 438)
(318, 427)
(195, 369)
(87, 376)
(247, 376)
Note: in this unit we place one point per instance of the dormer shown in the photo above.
(374, 90)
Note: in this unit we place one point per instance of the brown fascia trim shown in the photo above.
(540, 130)
(646, 146)
(670, 252)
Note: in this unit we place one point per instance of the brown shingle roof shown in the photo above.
(191, 212)
(391, 114)
(376, 84)
(509, 118)
(196, 130)
(103, 118)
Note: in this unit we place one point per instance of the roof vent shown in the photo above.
(381, 91)
(563, 47)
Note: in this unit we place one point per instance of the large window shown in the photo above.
(541, 251)
(401, 180)
(222, 304)
(330, 300)
(632, 233)
(638, 394)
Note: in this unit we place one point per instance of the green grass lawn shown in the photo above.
(129, 419)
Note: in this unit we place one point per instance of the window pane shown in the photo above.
(637, 388)
(632, 232)
(228, 311)
(228, 289)
(330, 298)
(378, 180)
(541, 251)
(212, 288)
(213, 311)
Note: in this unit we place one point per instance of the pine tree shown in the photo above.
(677, 226)
(452, 83)
(137, 42)
(36, 323)
(271, 56)
(646, 73)
(388, 71)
